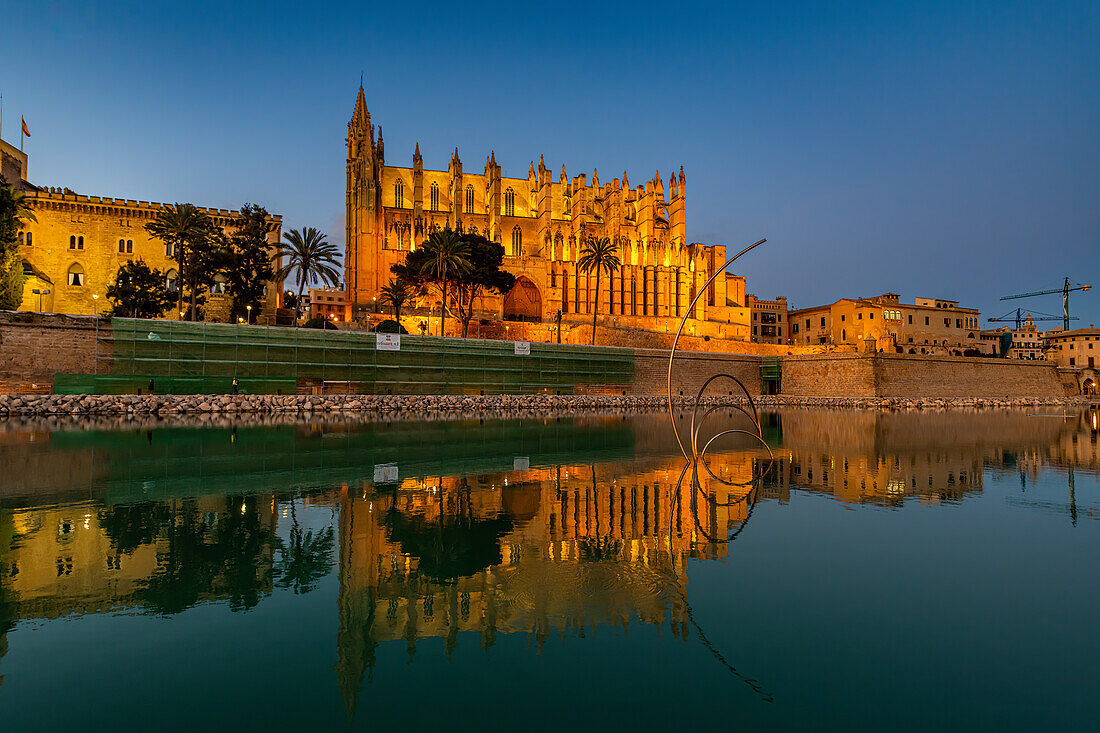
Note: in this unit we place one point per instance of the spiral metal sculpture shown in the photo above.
(696, 459)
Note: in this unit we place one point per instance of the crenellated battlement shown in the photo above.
(65, 198)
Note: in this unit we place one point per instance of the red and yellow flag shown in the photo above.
(26, 131)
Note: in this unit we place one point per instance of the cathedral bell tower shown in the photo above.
(364, 207)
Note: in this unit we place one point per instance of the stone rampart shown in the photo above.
(906, 376)
(35, 346)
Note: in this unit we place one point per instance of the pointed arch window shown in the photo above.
(509, 203)
(172, 281)
(517, 241)
(399, 194)
(469, 199)
(434, 204)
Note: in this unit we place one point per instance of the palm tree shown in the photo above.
(449, 257)
(600, 254)
(187, 231)
(312, 255)
(396, 293)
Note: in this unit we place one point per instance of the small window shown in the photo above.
(859, 316)
(910, 320)
(435, 196)
(30, 239)
(129, 246)
(843, 317)
(76, 275)
(80, 242)
(72, 241)
(822, 322)
(509, 202)
(399, 194)
(872, 314)
(469, 199)
(172, 281)
(926, 320)
(122, 245)
(169, 250)
(20, 238)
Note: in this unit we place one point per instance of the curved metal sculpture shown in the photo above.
(697, 457)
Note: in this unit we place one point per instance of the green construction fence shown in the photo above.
(202, 358)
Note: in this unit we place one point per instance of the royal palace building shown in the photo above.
(77, 244)
(542, 221)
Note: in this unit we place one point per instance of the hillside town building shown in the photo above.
(770, 324)
(927, 326)
(1078, 347)
(543, 221)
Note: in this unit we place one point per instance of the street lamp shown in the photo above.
(249, 309)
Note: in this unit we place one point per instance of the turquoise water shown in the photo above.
(885, 571)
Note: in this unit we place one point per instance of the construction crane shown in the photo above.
(1018, 316)
(1065, 290)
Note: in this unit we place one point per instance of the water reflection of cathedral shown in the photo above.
(539, 552)
(463, 542)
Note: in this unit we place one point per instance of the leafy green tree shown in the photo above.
(14, 210)
(440, 261)
(309, 254)
(139, 291)
(484, 276)
(191, 235)
(244, 258)
(599, 255)
(395, 294)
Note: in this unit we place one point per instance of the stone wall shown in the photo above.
(35, 346)
(905, 376)
(691, 370)
(833, 375)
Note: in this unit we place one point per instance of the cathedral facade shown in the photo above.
(543, 222)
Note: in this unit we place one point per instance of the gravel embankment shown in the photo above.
(511, 405)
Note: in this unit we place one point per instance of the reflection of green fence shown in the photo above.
(181, 462)
(206, 355)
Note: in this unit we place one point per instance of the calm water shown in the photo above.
(889, 571)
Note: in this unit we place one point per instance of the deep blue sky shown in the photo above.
(944, 149)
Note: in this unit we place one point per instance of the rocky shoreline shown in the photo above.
(430, 405)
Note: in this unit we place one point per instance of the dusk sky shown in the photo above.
(931, 149)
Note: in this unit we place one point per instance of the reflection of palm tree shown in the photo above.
(305, 558)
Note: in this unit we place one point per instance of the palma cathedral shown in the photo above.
(543, 221)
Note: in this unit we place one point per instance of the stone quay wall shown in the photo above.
(34, 347)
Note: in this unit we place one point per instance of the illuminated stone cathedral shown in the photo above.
(542, 221)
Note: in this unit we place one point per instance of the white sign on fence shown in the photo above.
(388, 342)
(521, 463)
(523, 348)
(385, 473)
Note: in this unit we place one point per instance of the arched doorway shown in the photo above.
(523, 302)
(1088, 388)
